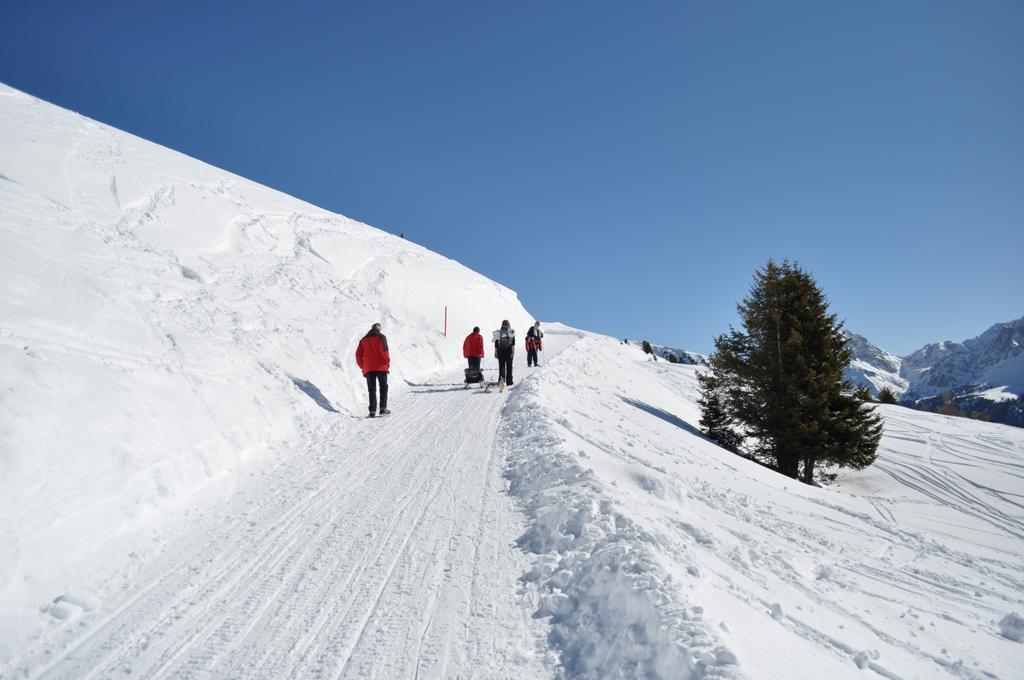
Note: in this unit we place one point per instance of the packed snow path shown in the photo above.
(382, 550)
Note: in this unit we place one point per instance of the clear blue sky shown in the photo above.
(624, 166)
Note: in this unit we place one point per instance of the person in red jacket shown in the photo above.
(533, 343)
(373, 357)
(473, 348)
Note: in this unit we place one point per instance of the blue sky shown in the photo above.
(624, 166)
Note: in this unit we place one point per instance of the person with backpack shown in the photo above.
(504, 351)
(374, 358)
(533, 343)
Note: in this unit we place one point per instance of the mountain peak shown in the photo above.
(985, 359)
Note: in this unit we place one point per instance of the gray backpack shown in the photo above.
(506, 338)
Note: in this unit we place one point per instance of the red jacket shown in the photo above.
(473, 346)
(372, 353)
(533, 339)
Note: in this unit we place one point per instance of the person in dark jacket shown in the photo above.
(504, 351)
(533, 343)
(374, 358)
(473, 348)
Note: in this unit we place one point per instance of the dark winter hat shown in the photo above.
(476, 329)
(376, 326)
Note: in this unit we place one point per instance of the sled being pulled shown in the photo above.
(474, 376)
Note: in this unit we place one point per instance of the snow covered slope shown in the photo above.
(162, 322)
(661, 555)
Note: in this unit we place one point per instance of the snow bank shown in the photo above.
(611, 605)
(163, 322)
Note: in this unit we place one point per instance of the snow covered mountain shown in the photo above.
(188, 487)
(994, 358)
(985, 374)
(873, 367)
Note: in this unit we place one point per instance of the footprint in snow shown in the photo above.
(67, 606)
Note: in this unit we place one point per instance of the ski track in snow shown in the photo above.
(381, 550)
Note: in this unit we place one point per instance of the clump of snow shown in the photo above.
(1011, 627)
(863, 659)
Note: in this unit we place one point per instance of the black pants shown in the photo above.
(531, 357)
(374, 378)
(474, 363)
(505, 367)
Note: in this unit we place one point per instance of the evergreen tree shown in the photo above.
(949, 407)
(672, 358)
(780, 381)
(887, 396)
(713, 418)
(863, 393)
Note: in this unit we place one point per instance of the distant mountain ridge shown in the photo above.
(984, 373)
(992, 358)
(681, 356)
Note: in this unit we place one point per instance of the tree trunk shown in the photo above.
(808, 476)
(789, 465)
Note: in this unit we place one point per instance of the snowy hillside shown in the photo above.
(163, 322)
(706, 558)
(188, 487)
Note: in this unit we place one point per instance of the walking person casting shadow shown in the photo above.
(374, 358)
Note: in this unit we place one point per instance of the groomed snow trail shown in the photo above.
(384, 549)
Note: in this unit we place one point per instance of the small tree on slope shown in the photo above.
(713, 418)
(780, 381)
(887, 396)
